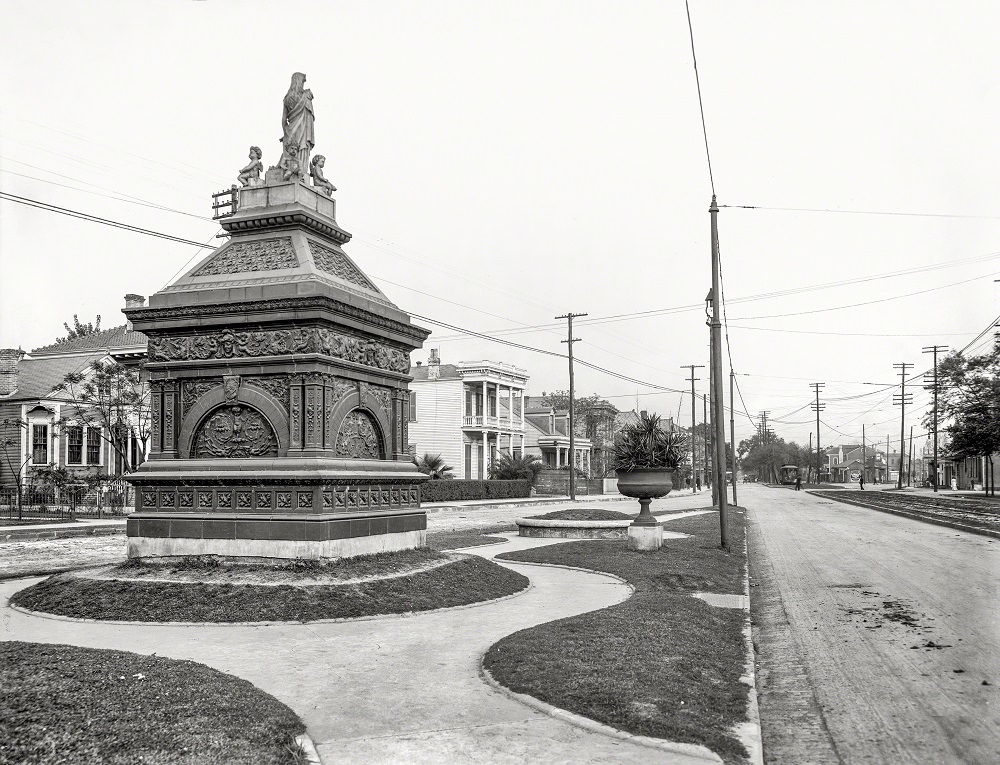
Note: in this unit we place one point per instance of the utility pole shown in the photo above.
(694, 455)
(704, 440)
(934, 384)
(763, 437)
(810, 452)
(902, 399)
(718, 398)
(817, 407)
(909, 461)
(732, 430)
(864, 461)
(572, 436)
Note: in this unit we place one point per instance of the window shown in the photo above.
(83, 442)
(40, 444)
(93, 446)
(74, 447)
(413, 406)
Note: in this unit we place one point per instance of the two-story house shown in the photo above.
(467, 412)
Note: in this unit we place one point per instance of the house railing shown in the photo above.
(479, 421)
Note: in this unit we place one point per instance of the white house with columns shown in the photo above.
(467, 412)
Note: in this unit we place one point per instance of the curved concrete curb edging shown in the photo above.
(749, 732)
(562, 529)
(312, 756)
(373, 617)
(691, 750)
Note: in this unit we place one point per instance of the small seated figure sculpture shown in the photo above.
(250, 175)
(289, 163)
(319, 180)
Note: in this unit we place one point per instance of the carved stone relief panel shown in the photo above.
(275, 385)
(358, 437)
(235, 431)
(381, 395)
(192, 390)
(241, 257)
(335, 263)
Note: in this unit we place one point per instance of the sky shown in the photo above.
(502, 164)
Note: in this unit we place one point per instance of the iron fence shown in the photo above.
(115, 499)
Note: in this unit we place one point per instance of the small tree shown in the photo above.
(114, 399)
(10, 448)
(80, 330)
(434, 466)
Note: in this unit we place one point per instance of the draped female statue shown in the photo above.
(297, 119)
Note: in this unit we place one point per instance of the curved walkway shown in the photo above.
(394, 689)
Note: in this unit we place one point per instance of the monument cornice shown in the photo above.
(275, 310)
(274, 220)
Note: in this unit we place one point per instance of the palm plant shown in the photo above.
(522, 468)
(646, 444)
(434, 466)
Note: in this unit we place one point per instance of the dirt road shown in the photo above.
(878, 636)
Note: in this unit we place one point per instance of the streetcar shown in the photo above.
(788, 474)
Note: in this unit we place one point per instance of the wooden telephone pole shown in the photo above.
(572, 437)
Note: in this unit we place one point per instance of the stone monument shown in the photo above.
(279, 378)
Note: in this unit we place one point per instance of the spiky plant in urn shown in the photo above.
(646, 455)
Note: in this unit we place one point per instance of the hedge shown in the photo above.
(451, 490)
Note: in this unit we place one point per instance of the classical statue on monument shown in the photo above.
(297, 120)
(250, 175)
(319, 180)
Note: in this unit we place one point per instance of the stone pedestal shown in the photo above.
(645, 537)
(278, 375)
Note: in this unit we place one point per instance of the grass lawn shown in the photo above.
(455, 539)
(324, 594)
(584, 514)
(661, 664)
(79, 706)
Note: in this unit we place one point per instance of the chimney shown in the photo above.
(434, 365)
(133, 301)
(9, 358)
(643, 413)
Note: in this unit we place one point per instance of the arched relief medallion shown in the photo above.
(359, 437)
(235, 430)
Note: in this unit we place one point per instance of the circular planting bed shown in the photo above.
(576, 523)
(204, 590)
(94, 705)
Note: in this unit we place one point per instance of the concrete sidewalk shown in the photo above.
(80, 528)
(393, 689)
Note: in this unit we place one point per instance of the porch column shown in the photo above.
(522, 444)
(510, 411)
(486, 413)
(486, 455)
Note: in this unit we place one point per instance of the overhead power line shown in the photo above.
(95, 219)
(862, 212)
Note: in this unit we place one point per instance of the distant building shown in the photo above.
(36, 424)
(471, 411)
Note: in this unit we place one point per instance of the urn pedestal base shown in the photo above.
(643, 537)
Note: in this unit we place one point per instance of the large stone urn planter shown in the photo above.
(645, 484)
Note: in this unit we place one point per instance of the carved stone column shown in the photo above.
(156, 415)
(313, 414)
(295, 414)
(169, 423)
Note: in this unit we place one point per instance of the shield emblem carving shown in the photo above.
(231, 386)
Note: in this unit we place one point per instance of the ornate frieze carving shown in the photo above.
(243, 257)
(336, 263)
(235, 431)
(358, 437)
(278, 342)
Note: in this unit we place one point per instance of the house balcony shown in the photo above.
(487, 422)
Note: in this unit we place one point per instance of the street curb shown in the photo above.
(915, 516)
(526, 502)
(750, 732)
(592, 726)
(31, 534)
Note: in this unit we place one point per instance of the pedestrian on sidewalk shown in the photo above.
(861, 482)
(798, 482)
(697, 483)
